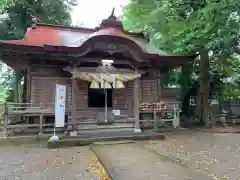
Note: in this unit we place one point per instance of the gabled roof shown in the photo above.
(51, 35)
(54, 41)
(40, 35)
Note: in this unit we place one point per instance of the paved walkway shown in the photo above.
(130, 161)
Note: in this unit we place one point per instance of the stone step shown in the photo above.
(104, 131)
(89, 138)
(105, 127)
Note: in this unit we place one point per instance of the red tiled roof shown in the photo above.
(58, 36)
(65, 39)
(43, 35)
(51, 35)
(110, 31)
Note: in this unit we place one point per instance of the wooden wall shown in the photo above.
(123, 99)
(148, 90)
(43, 84)
(43, 90)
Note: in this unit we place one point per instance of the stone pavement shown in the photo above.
(31, 162)
(130, 161)
(216, 154)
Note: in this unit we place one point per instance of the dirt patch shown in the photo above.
(98, 169)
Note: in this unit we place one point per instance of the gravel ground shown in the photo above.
(31, 162)
(215, 154)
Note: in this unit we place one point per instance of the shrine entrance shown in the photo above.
(96, 97)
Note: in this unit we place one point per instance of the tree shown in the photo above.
(17, 18)
(207, 27)
(6, 82)
(4, 3)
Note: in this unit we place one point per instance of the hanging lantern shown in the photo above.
(119, 85)
(94, 85)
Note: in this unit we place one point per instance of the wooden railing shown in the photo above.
(17, 115)
(28, 108)
(16, 119)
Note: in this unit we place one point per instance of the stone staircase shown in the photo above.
(115, 127)
(89, 122)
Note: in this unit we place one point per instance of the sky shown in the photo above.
(90, 13)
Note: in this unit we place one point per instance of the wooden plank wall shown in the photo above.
(123, 99)
(43, 90)
(148, 90)
(81, 94)
(43, 84)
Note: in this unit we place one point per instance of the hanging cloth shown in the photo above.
(102, 81)
(113, 81)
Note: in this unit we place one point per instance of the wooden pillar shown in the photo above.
(136, 94)
(17, 88)
(29, 84)
(159, 85)
(73, 104)
(5, 120)
(159, 96)
(41, 120)
(24, 92)
(176, 116)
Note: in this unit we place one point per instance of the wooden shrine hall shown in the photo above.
(84, 59)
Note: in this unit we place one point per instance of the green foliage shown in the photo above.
(179, 26)
(6, 82)
(5, 3)
(187, 27)
(17, 18)
(231, 91)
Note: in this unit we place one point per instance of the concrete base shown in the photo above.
(73, 133)
(88, 139)
(137, 130)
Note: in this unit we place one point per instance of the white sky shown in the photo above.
(92, 12)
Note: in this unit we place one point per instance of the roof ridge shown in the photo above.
(91, 30)
(65, 27)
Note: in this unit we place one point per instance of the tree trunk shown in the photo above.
(203, 107)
